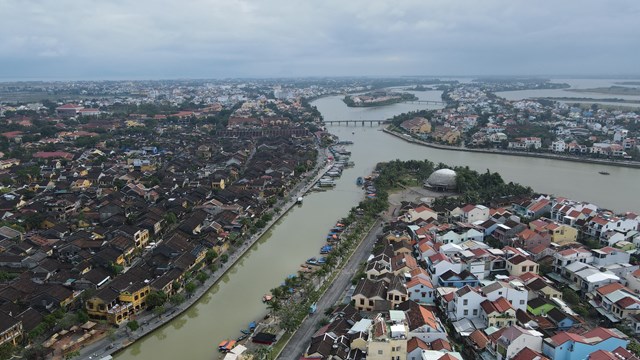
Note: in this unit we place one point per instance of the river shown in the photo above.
(235, 301)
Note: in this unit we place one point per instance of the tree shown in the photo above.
(570, 296)
(72, 354)
(159, 310)
(202, 277)
(156, 298)
(176, 299)
(133, 325)
(190, 287)
(224, 258)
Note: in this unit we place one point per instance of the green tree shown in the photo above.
(156, 298)
(133, 325)
(202, 277)
(176, 299)
(190, 287)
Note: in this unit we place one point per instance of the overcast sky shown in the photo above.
(151, 39)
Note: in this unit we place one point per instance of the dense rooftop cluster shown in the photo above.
(534, 277)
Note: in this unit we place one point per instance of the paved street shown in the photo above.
(300, 340)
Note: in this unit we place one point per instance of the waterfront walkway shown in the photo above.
(149, 321)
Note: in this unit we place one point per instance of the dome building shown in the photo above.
(441, 180)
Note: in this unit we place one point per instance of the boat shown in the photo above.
(226, 345)
(245, 331)
(242, 337)
(312, 261)
(603, 173)
(359, 181)
(252, 326)
(267, 298)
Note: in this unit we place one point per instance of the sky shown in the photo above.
(165, 39)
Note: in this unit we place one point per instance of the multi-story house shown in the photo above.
(518, 265)
(616, 301)
(608, 256)
(439, 264)
(387, 340)
(473, 213)
(10, 329)
(498, 313)
(367, 293)
(514, 292)
(421, 290)
(565, 257)
(571, 346)
(466, 303)
(509, 341)
(423, 323)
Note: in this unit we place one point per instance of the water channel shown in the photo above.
(235, 301)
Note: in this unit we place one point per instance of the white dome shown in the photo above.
(443, 178)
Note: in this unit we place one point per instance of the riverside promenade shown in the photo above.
(622, 163)
(148, 321)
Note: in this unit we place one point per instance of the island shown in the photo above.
(378, 98)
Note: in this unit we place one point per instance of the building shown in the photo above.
(570, 346)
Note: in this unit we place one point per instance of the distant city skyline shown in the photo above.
(200, 39)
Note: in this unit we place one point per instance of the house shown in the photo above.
(540, 306)
(417, 125)
(513, 339)
(421, 290)
(387, 341)
(457, 280)
(421, 212)
(474, 213)
(497, 313)
(422, 323)
(465, 303)
(10, 329)
(513, 291)
(368, 293)
(518, 265)
(565, 257)
(538, 287)
(439, 264)
(616, 302)
(608, 255)
(560, 319)
(571, 346)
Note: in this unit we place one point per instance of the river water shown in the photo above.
(235, 301)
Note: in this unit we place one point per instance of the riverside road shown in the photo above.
(300, 340)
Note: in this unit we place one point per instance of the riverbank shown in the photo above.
(634, 165)
(149, 322)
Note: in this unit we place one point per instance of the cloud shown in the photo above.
(221, 38)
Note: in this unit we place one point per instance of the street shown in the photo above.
(300, 340)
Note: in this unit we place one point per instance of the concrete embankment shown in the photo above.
(635, 165)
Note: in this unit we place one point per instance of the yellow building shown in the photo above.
(122, 298)
(10, 329)
(387, 341)
(518, 265)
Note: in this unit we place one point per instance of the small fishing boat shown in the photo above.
(603, 173)
(226, 345)
(245, 331)
(312, 261)
(359, 181)
(267, 297)
(242, 337)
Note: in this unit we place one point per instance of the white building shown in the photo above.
(558, 146)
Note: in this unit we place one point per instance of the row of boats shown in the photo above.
(341, 162)
(227, 345)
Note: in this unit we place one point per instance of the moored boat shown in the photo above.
(603, 173)
(226, 345)
(359, 181)
(267, 298)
